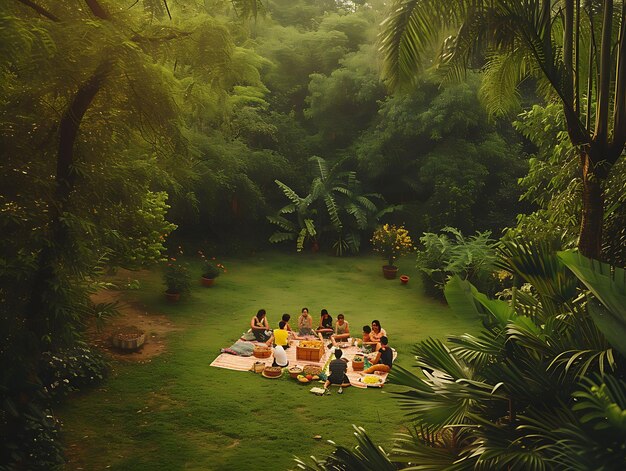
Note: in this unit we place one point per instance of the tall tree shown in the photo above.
(575, 49)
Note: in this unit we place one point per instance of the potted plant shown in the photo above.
(177, 279)
(210, 270)
(391, 242)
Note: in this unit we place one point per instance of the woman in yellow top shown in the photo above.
(280, 336)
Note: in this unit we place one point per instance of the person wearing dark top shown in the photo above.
(384, 358)
(338, 368)
(325, 327)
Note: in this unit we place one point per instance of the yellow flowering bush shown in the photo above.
(392, 242)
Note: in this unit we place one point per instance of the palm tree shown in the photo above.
(576, 50)
(539, 388)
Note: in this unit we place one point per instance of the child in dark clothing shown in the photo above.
(338, 368)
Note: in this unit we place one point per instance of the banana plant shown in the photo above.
(335, 204)
(303, 228)
(529, 392)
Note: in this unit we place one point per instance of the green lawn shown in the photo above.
(175, 412)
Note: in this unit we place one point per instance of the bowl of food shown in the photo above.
(294, 371)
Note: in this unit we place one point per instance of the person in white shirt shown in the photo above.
(280, 357)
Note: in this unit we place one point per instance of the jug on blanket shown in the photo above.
(258, 367)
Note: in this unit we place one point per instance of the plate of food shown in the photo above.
(272, 372)
(373, 381)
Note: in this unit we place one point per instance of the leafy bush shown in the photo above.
(176, 276)
(70, 370)
(30, 436)
(442, 256)
(210, 268)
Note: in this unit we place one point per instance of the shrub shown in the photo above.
(176, 276)
(70, 370)
(30, 436)
(210, 268)
(442, 256)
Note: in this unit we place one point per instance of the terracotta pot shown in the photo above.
(172, 297)
(404, 279)
(390, 272)
(207, 281)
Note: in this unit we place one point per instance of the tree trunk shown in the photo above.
(39, 314)
(590, 241)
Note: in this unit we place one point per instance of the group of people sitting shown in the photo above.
(374, 338)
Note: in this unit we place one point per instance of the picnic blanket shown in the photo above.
(239, 363)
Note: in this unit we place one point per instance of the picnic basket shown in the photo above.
(311, 370)
(258, 367)
(262, 351)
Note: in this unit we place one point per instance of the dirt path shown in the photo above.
(133, 315)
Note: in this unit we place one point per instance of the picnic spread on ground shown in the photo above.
(307, 358)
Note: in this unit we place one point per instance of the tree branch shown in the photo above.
(619, 109)
(98, 10)
(41, 10)
(604, 82)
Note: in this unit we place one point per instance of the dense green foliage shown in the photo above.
(541, 387)
(220, 121)
(441, 256)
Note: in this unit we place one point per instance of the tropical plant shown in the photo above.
(176, 276)
(449, 253)
(303, 228)
(576, 52)
(335, 204)
(365, 456)
(539, 388)
(392, 242)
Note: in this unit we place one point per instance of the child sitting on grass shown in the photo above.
(368, 345)
(338, 368)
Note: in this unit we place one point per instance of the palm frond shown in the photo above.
(288, 192)
(608, 285)
(411, 29)
(503, 72)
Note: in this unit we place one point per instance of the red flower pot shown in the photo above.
(404, 279)
(207, 281)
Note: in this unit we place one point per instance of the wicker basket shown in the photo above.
(311, 370)
(273, 371)
(258, 367)
(262, 351)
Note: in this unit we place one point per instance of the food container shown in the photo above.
(358, 363)
(310, 350)
(258, 367)
(294, 371)
(262, 351)
(311, 370)
(272, 371)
